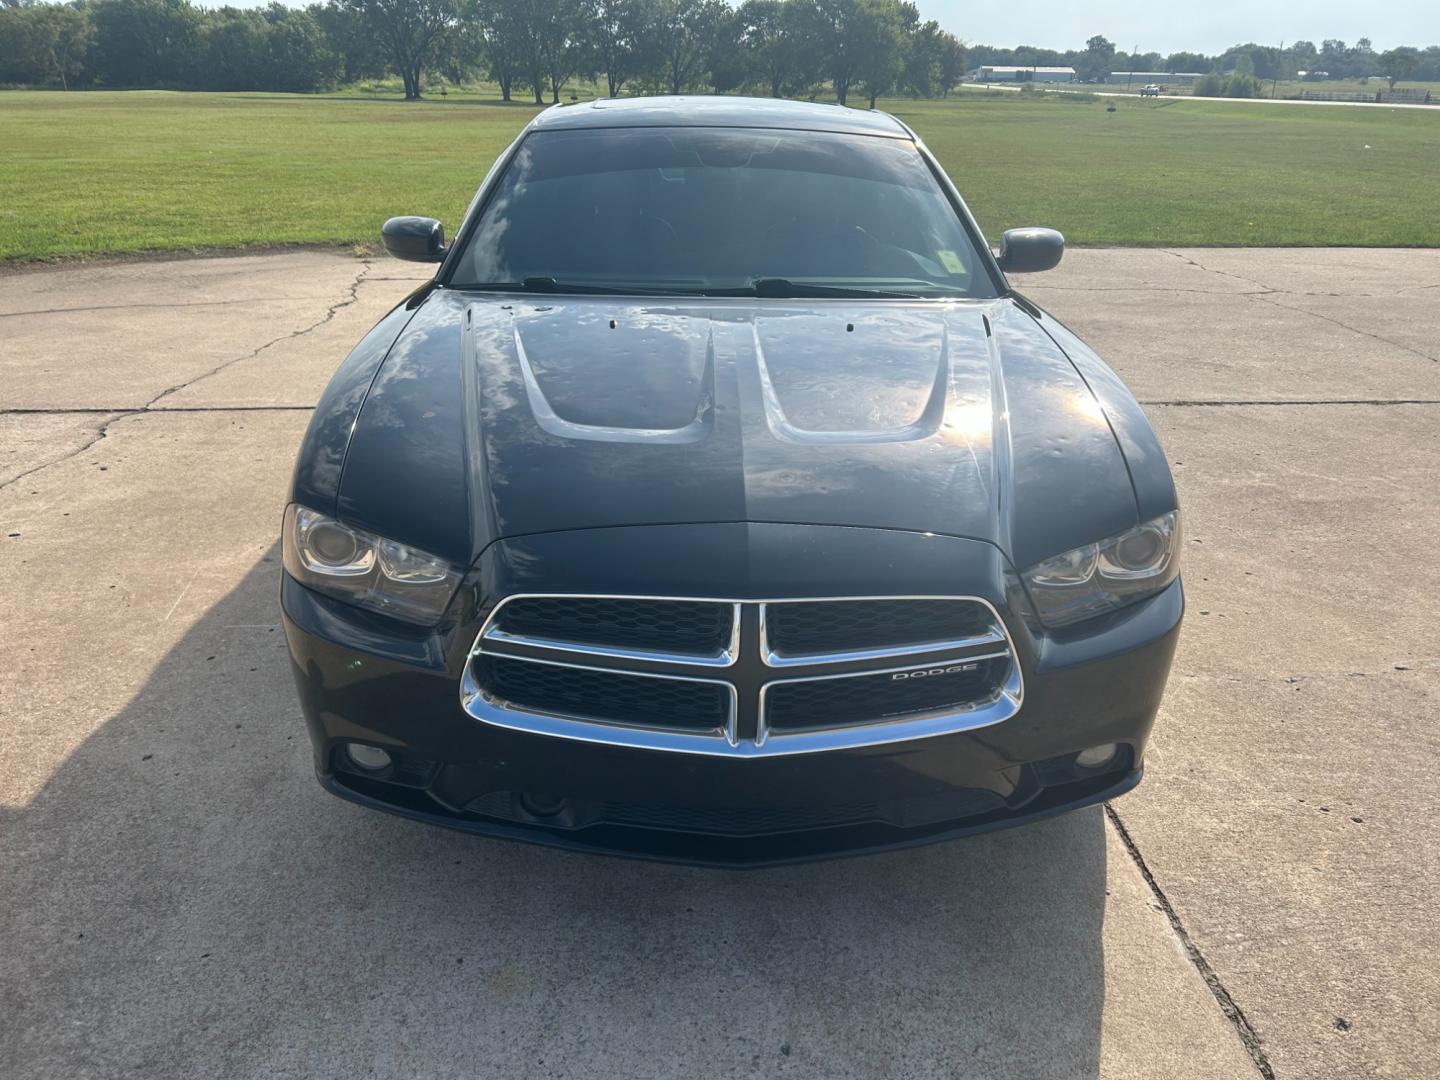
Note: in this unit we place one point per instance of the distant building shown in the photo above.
(1159, 78)
(998, 73)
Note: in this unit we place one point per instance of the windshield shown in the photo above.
(721, 211)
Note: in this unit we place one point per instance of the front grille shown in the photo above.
(809, 704)
(742, 678)
(682, 627)
(606, 696)
(810, 629)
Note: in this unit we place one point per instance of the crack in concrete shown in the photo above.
(165, 306)
(1224, 273)
(1249, 1037)
(1145, 289)
(139, 410)
(1219, 292)
(352, 296)
(1261, 290)
(1264, 294)
(1191, 403)
(1265, 298)
(101, 432)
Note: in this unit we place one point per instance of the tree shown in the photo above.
(727, 64)
(507, 40)
(1362, 58)
(1136, 61)
(860, 40)
(922, 60)
(1210, 85)
(144, 42)
(1188, 61)
(765, 34)
(348, 37)
(460, 55)
(934, 61)
(952, 64)
(679, 36)
(1397, 64)
(1304, 55)
(43, 44)
(1242, 85)
(298, 56)
(1428, 68)
(1094, 63)
(408, 31)
(1334, 57)
(555, 26)
(884, 36)
(233, 50)
(619, 35)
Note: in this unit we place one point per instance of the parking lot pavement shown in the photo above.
(178, 897)
(1290, 811)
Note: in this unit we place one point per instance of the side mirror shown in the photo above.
(415, 239)
(1028, 251)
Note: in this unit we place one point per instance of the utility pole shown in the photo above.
(1129, 75)
(1275, 75)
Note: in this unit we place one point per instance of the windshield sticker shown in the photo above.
(951, 261)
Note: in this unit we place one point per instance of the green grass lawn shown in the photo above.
(87, 173)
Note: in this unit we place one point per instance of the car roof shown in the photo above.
(718, 111)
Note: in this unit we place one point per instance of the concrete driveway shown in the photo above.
(179, 898)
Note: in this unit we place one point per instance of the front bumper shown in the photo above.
(365, 679)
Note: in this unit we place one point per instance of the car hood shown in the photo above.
(495, 418)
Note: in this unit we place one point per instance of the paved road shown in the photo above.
(178, 898)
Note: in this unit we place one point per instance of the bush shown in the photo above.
(1242, 86)
(1238, 85)
(1212, 85)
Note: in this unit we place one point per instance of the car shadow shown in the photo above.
(182, 899)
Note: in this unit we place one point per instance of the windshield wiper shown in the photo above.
(774, 288)
(777, 288)
(540, 284)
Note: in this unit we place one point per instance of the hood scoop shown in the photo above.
(879, 379)
(659, 374)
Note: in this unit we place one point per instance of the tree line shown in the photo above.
(1332, 59)
(788, 48)
(785, 48)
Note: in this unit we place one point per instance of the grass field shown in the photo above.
(87, 173)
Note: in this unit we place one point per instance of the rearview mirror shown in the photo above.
(415, 239)
(1028, 251)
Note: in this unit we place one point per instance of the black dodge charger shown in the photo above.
(719, 500)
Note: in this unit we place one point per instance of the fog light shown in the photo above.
(541, 805)
(370, 758)
(1097, 756)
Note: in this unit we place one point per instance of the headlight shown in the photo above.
(365, 569)
(1101, 577)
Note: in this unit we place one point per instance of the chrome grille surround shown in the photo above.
(748, 683)
(484, 706)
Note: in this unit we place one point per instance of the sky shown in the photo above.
(1163, 26)
(1166, 26)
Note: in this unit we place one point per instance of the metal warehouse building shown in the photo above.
(996, 73)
